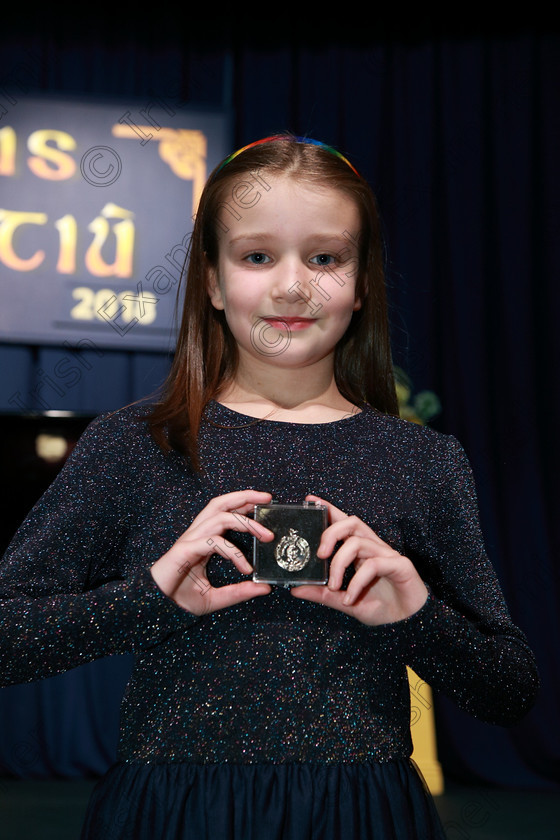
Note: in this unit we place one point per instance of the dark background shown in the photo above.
(456, 126)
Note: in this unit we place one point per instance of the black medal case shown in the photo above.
(291, 558)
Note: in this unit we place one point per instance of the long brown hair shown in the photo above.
(206, 354)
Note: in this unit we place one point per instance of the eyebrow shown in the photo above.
(248, 237)
(320, 237)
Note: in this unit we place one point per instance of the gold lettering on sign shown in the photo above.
(184, 150)
(8, 143)
(124, 250)
(68, 235)
(62, 165)
(10, 221)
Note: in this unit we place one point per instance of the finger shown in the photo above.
(341, 530)
(394, 570)
(356, 550)
(328, 539)
(353, 551)
(190, 553)
(246, 523)
(342, 526)
(241, 501)
(217, 544)
(322, 595)
(221, 521)
(373, 613)
(334, 513)
(236, 593)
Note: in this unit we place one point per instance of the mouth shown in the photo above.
(289, 323)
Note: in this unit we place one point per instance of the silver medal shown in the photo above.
(292, 552)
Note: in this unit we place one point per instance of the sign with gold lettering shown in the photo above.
(96, 209)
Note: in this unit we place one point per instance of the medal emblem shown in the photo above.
(292, 552)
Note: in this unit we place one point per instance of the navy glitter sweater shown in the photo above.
(275, 679)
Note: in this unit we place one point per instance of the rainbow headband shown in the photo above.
(306, 140)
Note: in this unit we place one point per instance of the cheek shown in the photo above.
(239, 312)
(237, 301)
(346, 302)
(241, 294)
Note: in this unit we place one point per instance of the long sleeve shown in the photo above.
(66, 595)
(306, 683)
(463, 641)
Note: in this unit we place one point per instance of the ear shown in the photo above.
(213, 288)
(361, 293)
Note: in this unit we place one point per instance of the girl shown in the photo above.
(253, 710)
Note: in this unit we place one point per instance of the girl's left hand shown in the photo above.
(385, 587)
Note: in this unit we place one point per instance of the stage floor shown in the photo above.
(53, 810)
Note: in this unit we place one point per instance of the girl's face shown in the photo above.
(287, 271)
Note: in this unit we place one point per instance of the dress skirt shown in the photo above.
(175, 801)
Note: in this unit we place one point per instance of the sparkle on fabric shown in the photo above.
(276, 679)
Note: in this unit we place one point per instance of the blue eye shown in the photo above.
(257, 258)
(323, 259)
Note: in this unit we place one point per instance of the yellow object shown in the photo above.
(423, 731)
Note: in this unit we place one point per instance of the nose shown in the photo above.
(294, 284)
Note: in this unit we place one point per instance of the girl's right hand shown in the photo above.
(181, 572)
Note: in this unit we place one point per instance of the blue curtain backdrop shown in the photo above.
(458, 133)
